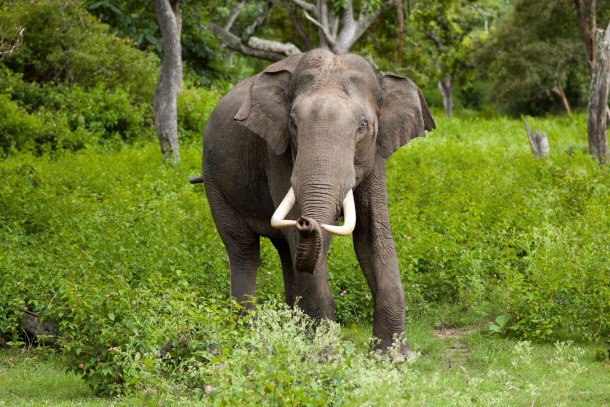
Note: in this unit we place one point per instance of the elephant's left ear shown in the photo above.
(265, 109)
(403, 114)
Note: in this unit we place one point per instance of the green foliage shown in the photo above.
(60, 92)
(122, 252)
(63, 43)
(136, 19)
(194, 106)
(83, 97)
(46, 117)
(536, 53)
(464, 369)
(488, 222)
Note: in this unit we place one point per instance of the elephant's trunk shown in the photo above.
(309, 249)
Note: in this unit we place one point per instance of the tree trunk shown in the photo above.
(558, 89)
(401, 27)
(588, 33)
(598, 103)
(169, 82)
(446, 88)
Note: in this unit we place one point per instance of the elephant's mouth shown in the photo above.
(278, 220)
(309, 248)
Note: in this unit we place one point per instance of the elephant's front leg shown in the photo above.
(376, 253)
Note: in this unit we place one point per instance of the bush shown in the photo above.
(194, 107)
(43, 117)
(63, 43)
(95, 239)
(67, 93)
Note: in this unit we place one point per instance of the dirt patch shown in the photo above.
(457, 351)
(452, 332)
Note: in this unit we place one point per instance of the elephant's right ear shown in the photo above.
(265, 110)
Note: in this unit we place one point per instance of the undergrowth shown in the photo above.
(121, 252)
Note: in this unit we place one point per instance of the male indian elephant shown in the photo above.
(290, 150)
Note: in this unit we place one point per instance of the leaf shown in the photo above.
(268, 387)
(502, 320)
(495, 328)
(111, 316)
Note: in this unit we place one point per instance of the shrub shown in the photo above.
(64, 44)
(94, 239)
(67, 93)
(194, 107)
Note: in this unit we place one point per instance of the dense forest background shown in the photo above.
(493, 57)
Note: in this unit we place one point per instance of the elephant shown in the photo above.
(289, 151)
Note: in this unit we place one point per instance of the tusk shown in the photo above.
(278, 220)
(349, 218)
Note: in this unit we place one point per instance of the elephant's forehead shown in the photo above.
(348, 74)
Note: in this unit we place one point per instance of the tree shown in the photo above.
(597, 111)
(169, 82)
(598, 103)
(448, 30)
(136, 19)
(534, 59)
(337, 26)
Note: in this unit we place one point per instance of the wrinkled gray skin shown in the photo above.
(322, 124)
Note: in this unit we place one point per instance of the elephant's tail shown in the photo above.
(196, 180)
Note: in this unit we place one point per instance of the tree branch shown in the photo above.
(297, 23)
(234, 13)
(434, 38)
(249, 31)
(261, 44)
(7, 48)
(586, 33)
(234, 43)
(315, 22)
(365, 21)
(352, 30)
(322, 7)
(306, 6)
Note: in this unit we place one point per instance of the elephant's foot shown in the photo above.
(397, 348)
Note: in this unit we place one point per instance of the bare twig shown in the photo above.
(7, 48)
(306, 6)
(297, 23)
(315, 22)
(233, 16)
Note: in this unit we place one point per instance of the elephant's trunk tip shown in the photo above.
(196, 180)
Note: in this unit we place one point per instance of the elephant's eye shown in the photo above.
(292, 124)
(363, 125)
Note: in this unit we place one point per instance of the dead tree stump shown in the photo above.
(43, 332)
(538, 142)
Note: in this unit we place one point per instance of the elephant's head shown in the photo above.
(334, 116)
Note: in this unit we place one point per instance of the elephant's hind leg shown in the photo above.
(241, 243)
(283, 249)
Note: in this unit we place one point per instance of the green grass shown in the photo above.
(455, 366)
(34, 379)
